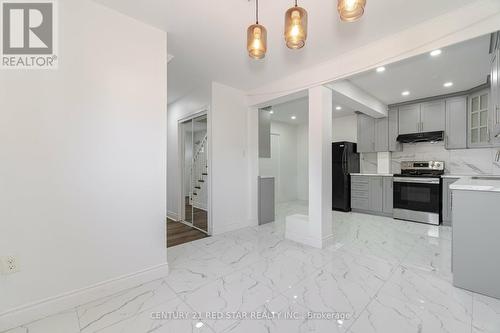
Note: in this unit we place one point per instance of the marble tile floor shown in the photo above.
(380, 275)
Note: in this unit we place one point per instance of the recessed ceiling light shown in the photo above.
(448, 84)
(199, 324)
(405, 93)
(293, 117)
(380, 69)
(271, 112)
(435, 53)
(338, 108)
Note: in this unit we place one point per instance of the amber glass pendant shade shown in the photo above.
(257, 41)
(295, 27)
(351, 10)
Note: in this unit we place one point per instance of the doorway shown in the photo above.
(195, 172)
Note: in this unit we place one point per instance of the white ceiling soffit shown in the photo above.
(357, 99)
(208, 38)
(466, 65)
(457, 25)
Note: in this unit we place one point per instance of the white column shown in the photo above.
(320, 165)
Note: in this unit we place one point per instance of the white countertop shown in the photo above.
(373, 174)
(482, 184)
(462, 176)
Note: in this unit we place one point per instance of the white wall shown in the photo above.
(287, 190)
(303, 162)
(345, 129)
(189, 105)
(231, 168)
(83, 158)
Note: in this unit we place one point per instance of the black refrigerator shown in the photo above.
(345, 160)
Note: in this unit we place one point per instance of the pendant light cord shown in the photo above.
(295, 3)
(257, 11)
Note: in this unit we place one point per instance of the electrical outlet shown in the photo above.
(10, 265)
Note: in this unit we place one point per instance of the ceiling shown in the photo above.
(299, 108)
(208, 38)
(467, 65)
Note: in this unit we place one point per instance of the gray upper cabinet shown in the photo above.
(366, 134)
(264, 134)
(373, 134)
(382, 134)
(479, 123)
(388, 195)
(393, 123)
(456, 123)
(432, 116)
(409, 119)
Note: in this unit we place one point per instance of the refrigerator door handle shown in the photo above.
(344, 171)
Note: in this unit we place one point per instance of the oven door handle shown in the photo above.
(417, 180)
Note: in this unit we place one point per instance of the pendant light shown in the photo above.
(295, 27)
(351, 10)
(257, 37)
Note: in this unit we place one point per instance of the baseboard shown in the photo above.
(173, 216)
(234, 226)
(200, 206)
(56, 304)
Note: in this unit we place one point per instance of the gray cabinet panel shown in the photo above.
(375, 194)
(447, 200)
(382, 134)
(264, 134)
(366, 134)
(393, 131)
(495, 99)
(266, 200)
(432, 116)
(409, 119)
(456, 123)
(388, 195)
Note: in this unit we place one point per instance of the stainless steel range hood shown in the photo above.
(421, 137)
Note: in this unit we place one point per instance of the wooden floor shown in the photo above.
(179, 233)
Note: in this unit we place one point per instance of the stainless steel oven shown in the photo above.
(417, 192)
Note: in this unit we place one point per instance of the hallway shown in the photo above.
(179, 233)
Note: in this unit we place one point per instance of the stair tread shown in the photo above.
(205, 174)
(197, 187)
(201, 180)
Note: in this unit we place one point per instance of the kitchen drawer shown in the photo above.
(359, 186)
(360, 203)
(359, 193)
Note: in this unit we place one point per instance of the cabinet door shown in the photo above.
(479, 122)
(382, 134)
(456, 123)
(447, 201)
(495, 99)
(375, 190)
(409, 119)
(388, 195)
(394, 145)
(366, 134)
(432, 116)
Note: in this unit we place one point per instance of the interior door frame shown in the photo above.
(181, 162)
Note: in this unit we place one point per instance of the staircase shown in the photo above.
(199, 175)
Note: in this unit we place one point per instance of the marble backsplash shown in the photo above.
(460, 161)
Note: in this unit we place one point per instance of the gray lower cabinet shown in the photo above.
(388, 195)
(447, 201)
(375, 199)
(456, 123)
(372, 194)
